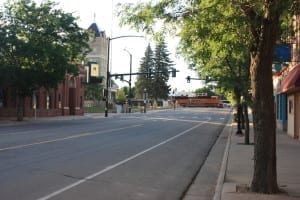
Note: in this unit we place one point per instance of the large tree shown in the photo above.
(38, 46)
(154, 69)
(163, 64)
(219, 51)
(263, 20)
(145, 78)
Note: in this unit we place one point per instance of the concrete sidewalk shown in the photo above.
(239, 170)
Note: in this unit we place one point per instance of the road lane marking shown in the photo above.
(111, 167)
(207, 121)
(155, 119)
(67, 138)
(35, 131)
(20, 132)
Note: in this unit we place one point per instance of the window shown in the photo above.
(50, 101)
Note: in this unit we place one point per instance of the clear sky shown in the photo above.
(103, 13)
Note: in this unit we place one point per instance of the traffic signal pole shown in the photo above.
(107, 68)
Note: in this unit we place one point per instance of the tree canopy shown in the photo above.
(162, 63)
(146, 67)
(38, 45)
(155, 67)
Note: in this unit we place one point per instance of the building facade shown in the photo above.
(66, 99)
(99, 59)
(99, 51)
(287, 88)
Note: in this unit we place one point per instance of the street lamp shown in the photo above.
(174, 100)
(130, 71)
(107, 68)
(145, 100)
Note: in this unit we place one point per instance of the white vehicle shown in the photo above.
(226, 104)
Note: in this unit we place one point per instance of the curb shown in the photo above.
(215, 156)
(221, 177)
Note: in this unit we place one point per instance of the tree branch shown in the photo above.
(254, 21)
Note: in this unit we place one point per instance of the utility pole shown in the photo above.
(130, 73)
(107, 68)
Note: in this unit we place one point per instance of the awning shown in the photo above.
(291, 82)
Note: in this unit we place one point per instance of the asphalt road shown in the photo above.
(152, 155)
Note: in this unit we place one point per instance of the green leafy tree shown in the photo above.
(120, 97)
(133, 92)
(261, 30)
(263, 20)
(38, 46)
(93, 91)
(126, 91)
(220, 49)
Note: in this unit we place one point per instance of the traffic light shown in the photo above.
(188, 79)
(173, 72)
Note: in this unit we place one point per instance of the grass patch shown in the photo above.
(94, 109)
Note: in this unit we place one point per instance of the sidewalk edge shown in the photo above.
(221, 177)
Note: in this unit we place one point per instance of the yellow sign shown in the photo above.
(95, 72)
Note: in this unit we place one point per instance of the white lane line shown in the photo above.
(110, 167)
(29, 131)
(184, 120)
(172, 119)
(20, 132)
(67, 138)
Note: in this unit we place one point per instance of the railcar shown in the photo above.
(200, 101)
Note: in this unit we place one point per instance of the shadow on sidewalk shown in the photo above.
(240, 163)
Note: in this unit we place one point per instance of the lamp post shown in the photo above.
(145, 100)
(174, 100)
(107, 68)
(130, 71)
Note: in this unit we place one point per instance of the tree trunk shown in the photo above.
(247, 139)
(265, 175)
(20, 107)
(239, 118)
(265, 171)
(242, 117)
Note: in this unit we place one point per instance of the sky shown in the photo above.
(103, 13)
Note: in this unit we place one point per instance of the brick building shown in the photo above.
(67, 99)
